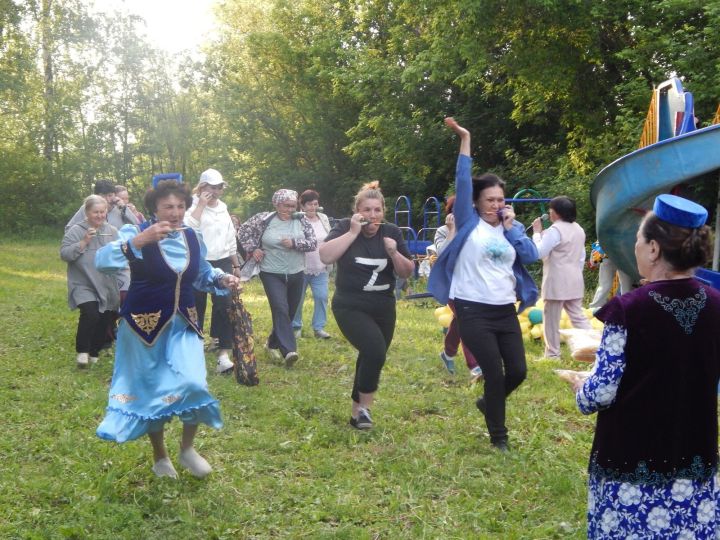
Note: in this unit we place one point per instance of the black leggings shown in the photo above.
(92, 328)
(493, 335)
(220, 326)
(368, 322)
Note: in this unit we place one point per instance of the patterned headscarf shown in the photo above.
(282, 195)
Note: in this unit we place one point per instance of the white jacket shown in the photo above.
(217, 230)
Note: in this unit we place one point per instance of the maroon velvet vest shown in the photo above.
(663, 423)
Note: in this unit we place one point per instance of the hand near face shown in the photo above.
(356, 223)
(204, 198)
(450, 222)
(537, 225)
(508, 216)
(390, 246)
(153, 234)
(90, 234)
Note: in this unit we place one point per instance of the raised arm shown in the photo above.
(463, 210)
(461, 132)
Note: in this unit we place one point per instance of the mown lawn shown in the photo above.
(286, 465)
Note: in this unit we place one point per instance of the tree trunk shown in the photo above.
(49, 85)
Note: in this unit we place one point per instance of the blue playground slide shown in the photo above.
(624, 190)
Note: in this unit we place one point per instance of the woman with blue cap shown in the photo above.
(654, 388)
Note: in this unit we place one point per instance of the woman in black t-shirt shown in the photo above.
(368, 253)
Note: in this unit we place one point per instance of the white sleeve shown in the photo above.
(546, 241)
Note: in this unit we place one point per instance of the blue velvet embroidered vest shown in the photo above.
(663, 423)
(157, 291)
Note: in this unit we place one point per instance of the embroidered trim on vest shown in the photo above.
(685, 311)
(643, 475)
(146, 321)
(193, 315)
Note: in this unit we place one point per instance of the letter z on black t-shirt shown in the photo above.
(366, 266)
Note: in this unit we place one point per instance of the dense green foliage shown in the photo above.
(329, 94)
(286, 463)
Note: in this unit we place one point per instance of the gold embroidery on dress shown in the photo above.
(146, 321)
(123, 398)
(171, 399)
(193, 315)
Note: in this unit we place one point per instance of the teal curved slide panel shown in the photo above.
(624, 190)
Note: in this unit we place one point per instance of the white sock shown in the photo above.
(164, 467)
(195, 463)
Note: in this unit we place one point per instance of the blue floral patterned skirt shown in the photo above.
(680, 509)
(151, 384)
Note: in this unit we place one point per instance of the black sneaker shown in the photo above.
(480, 404)
(363, 420)
(501, 446)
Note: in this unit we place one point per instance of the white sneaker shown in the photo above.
(224, 364)
(82, 360)
(93, 359)
(291, 358)
(164, 467)
(195, 463)
(298, 333)
(476, 374)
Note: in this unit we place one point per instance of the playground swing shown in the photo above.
(417, 241)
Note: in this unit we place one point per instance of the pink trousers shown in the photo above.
(452, 340)
(551, 322)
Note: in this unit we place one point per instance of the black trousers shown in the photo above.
(283, 292)
(220, 326)
(92, 328)
(368, 322)
(493, 335)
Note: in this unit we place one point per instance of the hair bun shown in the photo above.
(375, 184)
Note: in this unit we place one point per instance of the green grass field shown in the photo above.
(286, 464)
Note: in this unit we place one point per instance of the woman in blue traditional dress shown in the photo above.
(653, 463)
(159, 363)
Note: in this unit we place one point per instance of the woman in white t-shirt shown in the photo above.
(482, 271)
(316, 273)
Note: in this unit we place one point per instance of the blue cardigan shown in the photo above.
(466, 219)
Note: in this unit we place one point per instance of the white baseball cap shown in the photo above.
(212, 177)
